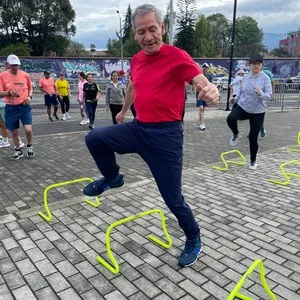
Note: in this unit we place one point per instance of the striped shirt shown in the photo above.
(248, 99)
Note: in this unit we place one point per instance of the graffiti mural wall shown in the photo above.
(102, 67)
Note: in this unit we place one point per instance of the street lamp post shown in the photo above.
(231, 53)
(121, 38)
(171, 33)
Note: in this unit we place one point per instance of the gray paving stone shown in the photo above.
(86, 269)
(24, 292)
(36, 281)
(35, 254)
(45, 267)
(57, 282)
(124, 286)
(5, 294)
(116, 295)
(139, 296)
(54, 255)
(102, 285)
(193, 289)
(91, 295)
(147, 287)
(9, 243)
(6, 265)
(14, 279)
(69, 294)
(149, 272)
(66, 268)
(171, 289)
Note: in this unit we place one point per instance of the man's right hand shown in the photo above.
(120, 117)
(14, 93)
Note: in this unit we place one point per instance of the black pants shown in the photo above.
(133, 110)
(255, 121)
(64, 103)
(91, 107)
(115, 109)
(160, 145)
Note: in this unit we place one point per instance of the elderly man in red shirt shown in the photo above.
(157, 80)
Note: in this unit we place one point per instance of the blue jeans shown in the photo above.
(161, 147)
(91, 110)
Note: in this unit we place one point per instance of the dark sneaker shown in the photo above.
(30, 152)
(263, 132)
(17, 155)
(233, 141)
(91, 126)
(50, 119)
(191, 252)
(99, 186)
(55, 116)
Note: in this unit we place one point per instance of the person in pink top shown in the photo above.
(80, 99)
(15, 87)
(47, 86)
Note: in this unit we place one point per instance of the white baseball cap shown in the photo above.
(241, 71)
(13, 59)
(205, 65)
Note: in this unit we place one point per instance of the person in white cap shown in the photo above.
(16, 88)
(235, 85)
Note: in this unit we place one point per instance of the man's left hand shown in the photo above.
(209, 93)
(27, 101)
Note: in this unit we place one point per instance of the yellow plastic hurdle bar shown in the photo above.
(114, 268)
(235, 292)
(230, 161)
(298, 145)
(49, 217)
(285, 174)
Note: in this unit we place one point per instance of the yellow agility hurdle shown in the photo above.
(114, 268)
(48, 217)
(231, 161)
(297, 149)
(285, 174)
(235, 292)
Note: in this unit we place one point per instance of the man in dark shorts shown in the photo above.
(47, 86)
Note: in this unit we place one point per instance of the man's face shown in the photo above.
(47, 76)
(149, 33)
(205, 69)
(256, 66)
(14, 68)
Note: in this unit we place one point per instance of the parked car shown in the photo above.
(221, 83)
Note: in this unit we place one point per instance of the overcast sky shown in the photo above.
(97, 20)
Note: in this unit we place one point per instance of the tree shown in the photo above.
(127, 25)
(221, 33)
(76, 49)
(131, 47)
(113, 47)
(280, 52)
(38, 23)
(93, 49)
(204, 47)
(19, 49)
(185, 37)
(248, 37)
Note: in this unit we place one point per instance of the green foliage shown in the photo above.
(76, 49)
(19, 49)
(248, 37)
(127, 25)
(131, 47)
(39, 23)
(186, 20)
(204, 46)
(114, 47)
(280, 52)
(221, 33)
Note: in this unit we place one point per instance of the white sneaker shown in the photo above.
(253, 165)
(4, 144)
(64, 118)
(82, 122)
(68, 116)
(202, 126)
(234, 139)
(21, 144)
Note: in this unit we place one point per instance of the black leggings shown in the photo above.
(64, 104)
(115, 109)
(255, 121)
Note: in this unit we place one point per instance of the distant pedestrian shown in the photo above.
(255, 90)
(16, 88)
(235, 86)
(115, 94)
(80, 99)
(48, 87)
(4, 143)
(63, 93)
(200, 102)
(91, 94)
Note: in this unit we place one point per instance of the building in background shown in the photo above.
(291, 43)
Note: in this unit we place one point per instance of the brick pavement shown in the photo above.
(242, 215)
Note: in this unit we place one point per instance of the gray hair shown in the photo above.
(145, 9)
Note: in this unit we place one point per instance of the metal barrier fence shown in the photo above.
(287, 95)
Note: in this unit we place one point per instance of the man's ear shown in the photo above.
(134, 34)
(163, 29)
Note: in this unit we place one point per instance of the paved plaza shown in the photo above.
(243, 217)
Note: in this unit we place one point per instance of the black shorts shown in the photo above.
(50, 100)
